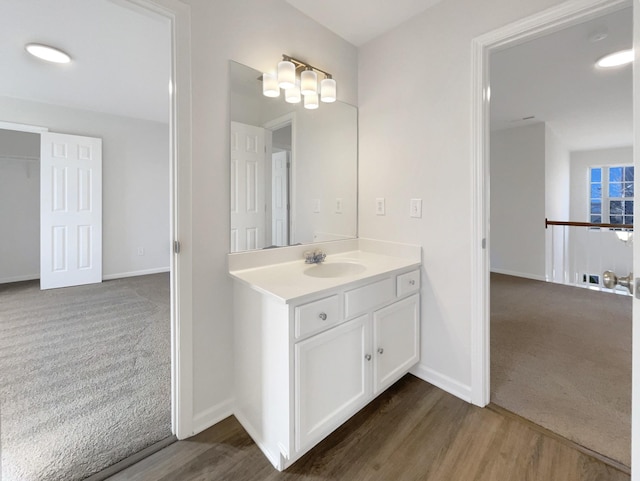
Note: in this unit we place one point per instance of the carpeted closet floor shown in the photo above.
(561, 357)
(85, 375)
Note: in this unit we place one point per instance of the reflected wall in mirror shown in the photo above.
(293, 171)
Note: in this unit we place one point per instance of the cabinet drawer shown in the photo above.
(409, 282)
(317, 316)
(364, 298)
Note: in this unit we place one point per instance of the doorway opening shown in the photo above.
(495, 43)
(149, 260)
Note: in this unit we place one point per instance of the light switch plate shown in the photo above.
(380, 206)
(316, 206)
(415, 209)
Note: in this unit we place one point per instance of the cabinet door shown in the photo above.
(395, 341)
(332, 379)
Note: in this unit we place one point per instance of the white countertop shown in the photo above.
(287, 281)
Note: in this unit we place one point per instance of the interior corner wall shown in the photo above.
(414, 96)
(255, 33)
(135, 179)
(557, 203)
(518, 201)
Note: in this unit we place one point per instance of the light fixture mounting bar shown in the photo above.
(300, 63)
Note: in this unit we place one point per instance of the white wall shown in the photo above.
(255, 33)
(135, 180)
(415, 142)
(326, 169)
(557, 194)
(518, 201)
(19, 206)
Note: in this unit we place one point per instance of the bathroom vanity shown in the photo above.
(315, 343)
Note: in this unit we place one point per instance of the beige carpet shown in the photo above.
(561, 357)
(84, 375)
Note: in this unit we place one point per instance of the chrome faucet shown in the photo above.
(314, 257)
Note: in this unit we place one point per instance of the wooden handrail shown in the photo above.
(548, 222)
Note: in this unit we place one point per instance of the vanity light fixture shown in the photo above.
(48, 53)
(299, 80)
(616, 59)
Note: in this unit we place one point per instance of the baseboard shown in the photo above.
(519, 274)
(108, 277)
(212, 416)
(442, 381)
(29, 277)
(253, 433)
(143, 272)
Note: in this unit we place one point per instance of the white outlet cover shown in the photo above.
(338, 206)
(380, 209)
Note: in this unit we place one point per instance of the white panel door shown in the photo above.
(70, 210)
(248, 208)
(280, 198)
(332, 379)
(395, 341)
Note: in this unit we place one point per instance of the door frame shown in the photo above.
(181, 265)
(553, 19)
(275, 124)
(180, 222)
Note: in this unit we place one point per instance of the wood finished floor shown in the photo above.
(414, 431)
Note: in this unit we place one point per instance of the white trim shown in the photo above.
(526, 275)
(143, 272)
(26, 277)
(635, 339)
(213, 415)
(179, 15)
(547, 21)
(36, 129)
(442, 381)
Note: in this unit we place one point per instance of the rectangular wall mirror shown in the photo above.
(293, 171)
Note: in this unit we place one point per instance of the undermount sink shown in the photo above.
(334, 269)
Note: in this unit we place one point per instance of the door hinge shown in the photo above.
(176, 247)
(484, 243)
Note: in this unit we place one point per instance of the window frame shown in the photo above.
(605, 200)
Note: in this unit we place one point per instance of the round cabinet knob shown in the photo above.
(367, 357)
(380, 350)
(322, 316)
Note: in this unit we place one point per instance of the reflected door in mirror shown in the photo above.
(280, 198)
(247, 187)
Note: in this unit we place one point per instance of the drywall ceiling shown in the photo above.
(554, 79)
(121, 56)
(359, 21)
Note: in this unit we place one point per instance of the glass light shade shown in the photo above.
(328, 90)
(308, 82)
(616, 59)
(292, 95)
(270, 85)
(311, 101)
(286, 74)
(45, 52)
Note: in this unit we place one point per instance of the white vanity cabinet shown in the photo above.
(304, 368)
